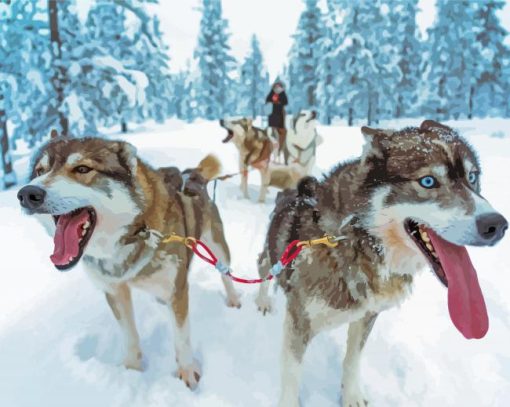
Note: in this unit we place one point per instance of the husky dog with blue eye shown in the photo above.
(104, 206)
(412, 201)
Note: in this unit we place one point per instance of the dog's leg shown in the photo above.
(352, 395)
(119, 299)
(243, 169)
(296, 336)
(276, 147)
(263, 300)
(282, 133)
(265, 178)
(188, 370)
(218, 245)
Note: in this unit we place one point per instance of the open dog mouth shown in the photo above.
(453, 267)
(230, 134)
(422, 239)
(73, 232)
(313, 116)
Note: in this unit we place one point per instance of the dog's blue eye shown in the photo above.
(472, 177)
(428, 182)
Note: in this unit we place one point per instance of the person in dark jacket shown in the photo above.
(278, 98)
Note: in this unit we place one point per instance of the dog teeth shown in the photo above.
(83, 232)
(429, 246)
(71, 258)
(86, 225)
(434, 254)
(424, 236)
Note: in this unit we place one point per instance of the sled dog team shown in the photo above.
(411, 201)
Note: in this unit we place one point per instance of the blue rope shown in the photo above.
(277, 269)
(222, 268)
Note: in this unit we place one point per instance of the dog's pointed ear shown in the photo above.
(127, 155)
(369, 132)
(374, 140)
(428, 125)
(249, 123)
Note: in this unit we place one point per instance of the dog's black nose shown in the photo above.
(31, 197)
(491, 227)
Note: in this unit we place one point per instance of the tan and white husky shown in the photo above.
(101, 203)
(255, 148)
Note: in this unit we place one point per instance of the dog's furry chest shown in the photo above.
(335, 288)
(323, 316)
(126, 266)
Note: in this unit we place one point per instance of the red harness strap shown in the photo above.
(206, 254)
(289, 254)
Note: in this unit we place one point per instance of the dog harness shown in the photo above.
(290, 253)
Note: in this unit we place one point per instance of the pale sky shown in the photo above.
(273, 21)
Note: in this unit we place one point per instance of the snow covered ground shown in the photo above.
(60, 345)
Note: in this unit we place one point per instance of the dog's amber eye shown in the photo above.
(82, 169)
(39, 172)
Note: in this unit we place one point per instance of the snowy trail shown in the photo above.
(60, 346)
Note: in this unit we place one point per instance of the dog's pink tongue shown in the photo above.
(465, 299)
(67, 237)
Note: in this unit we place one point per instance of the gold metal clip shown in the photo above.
(189, 242)
(327, 240)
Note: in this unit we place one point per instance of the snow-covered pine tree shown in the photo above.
(8, 175)
(381, 41)
(131, 66)
(184, 95)
(24, 79)
(59, 78)
(326, 93)
(363, 61)
(405, 35)
(215, 62)
(108, 64)
(493, 70)
(304, 58)
(254, 82)
(116, 94)
(452, 59)
(151, 57)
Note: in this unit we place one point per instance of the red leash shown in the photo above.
(206, 254)
(289, 254)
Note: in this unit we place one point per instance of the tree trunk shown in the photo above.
(470, 107)
(399, 109)
(369, 109)
(9, 177)
(310, 97)
(59, 72)
(123, 126)
(350, 118)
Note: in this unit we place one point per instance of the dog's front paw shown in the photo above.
(190, 375)
(134, 361)
(264, 304)
(233, 301)
(353, 398)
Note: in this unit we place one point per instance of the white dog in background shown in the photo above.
(302, 140)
